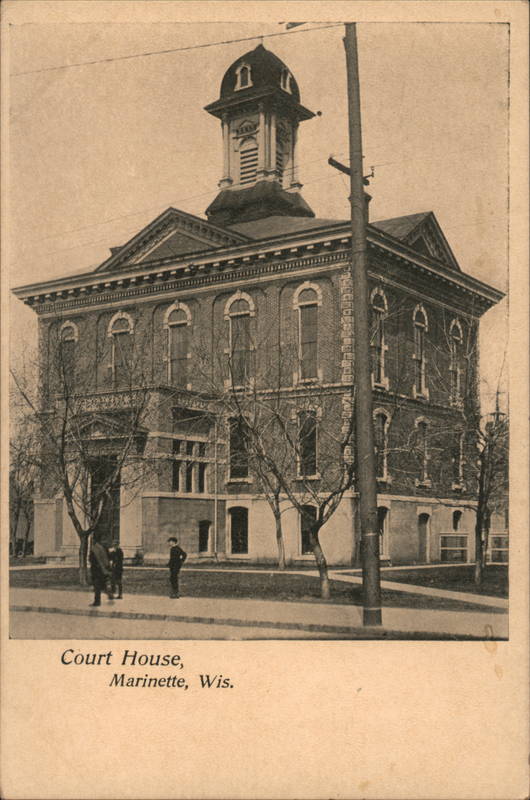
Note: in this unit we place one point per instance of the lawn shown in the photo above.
(457, 578)
(221, 583)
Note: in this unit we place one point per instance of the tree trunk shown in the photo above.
(26, 534)
(16, 517)
(83, 553)
(479, 555)
(279, 541)
(322, 565)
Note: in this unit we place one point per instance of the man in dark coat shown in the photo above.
(100, 571)
(177, 557)
(116, 566)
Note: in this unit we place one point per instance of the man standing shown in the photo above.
(100, 571)
(116, 566)
(177, 557)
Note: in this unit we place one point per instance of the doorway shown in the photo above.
(424, 526)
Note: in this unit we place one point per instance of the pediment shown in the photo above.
(428, 239)
(422, 233)
(99, 426)
(173, 233)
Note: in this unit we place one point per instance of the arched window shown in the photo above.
(420, 329)
(307, 443)
(238, 530)
(456, 340)
(422, 449)
(67, 357)
(177, 321)
(120, 331)
(381, 423)
(307, 299)
(308, 515)
(248, 160)
(243, 77)
(238, 312)
(379, 312)
(457, 519)
(285, 81)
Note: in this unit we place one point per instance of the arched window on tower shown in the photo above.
(455, 343)
(285, 81)
(177, 322)
(248, 161)
(243, 77)
(420, 329)
(379, 312)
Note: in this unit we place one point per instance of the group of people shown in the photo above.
(106, 569)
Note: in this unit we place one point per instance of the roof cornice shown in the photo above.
(227, 259)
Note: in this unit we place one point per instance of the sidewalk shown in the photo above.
(258, 619)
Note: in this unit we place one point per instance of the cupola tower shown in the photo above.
(260, 111)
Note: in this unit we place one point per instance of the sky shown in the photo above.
(98, 151)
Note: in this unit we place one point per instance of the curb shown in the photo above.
(348, 631)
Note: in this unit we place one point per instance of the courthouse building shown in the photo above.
(264, 284)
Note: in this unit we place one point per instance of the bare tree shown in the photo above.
(22, 477)
(89, 444)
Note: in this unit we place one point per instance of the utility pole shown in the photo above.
(364, 436)
(362, 383)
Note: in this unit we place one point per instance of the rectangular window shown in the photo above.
(179, 345)
(308, 341)
(238, 450)
(175, 478)
(308, 443)
(201, 478)
(189, 476)
(453, 548)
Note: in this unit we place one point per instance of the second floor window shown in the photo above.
(457, 459)
(420, 329)
(423, 451)
(307, 442)
(455, 344)
(67, 357)
(379, 311)
(178, 332)
(307, 302)
(381, 443)
(121, 334)
(241, 350)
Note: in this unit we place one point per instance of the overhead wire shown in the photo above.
(174, 50)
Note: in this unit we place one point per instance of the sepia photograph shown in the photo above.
(258, 312)
(264, 453)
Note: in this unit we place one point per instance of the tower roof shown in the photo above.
(266, 71)
(268, 78)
